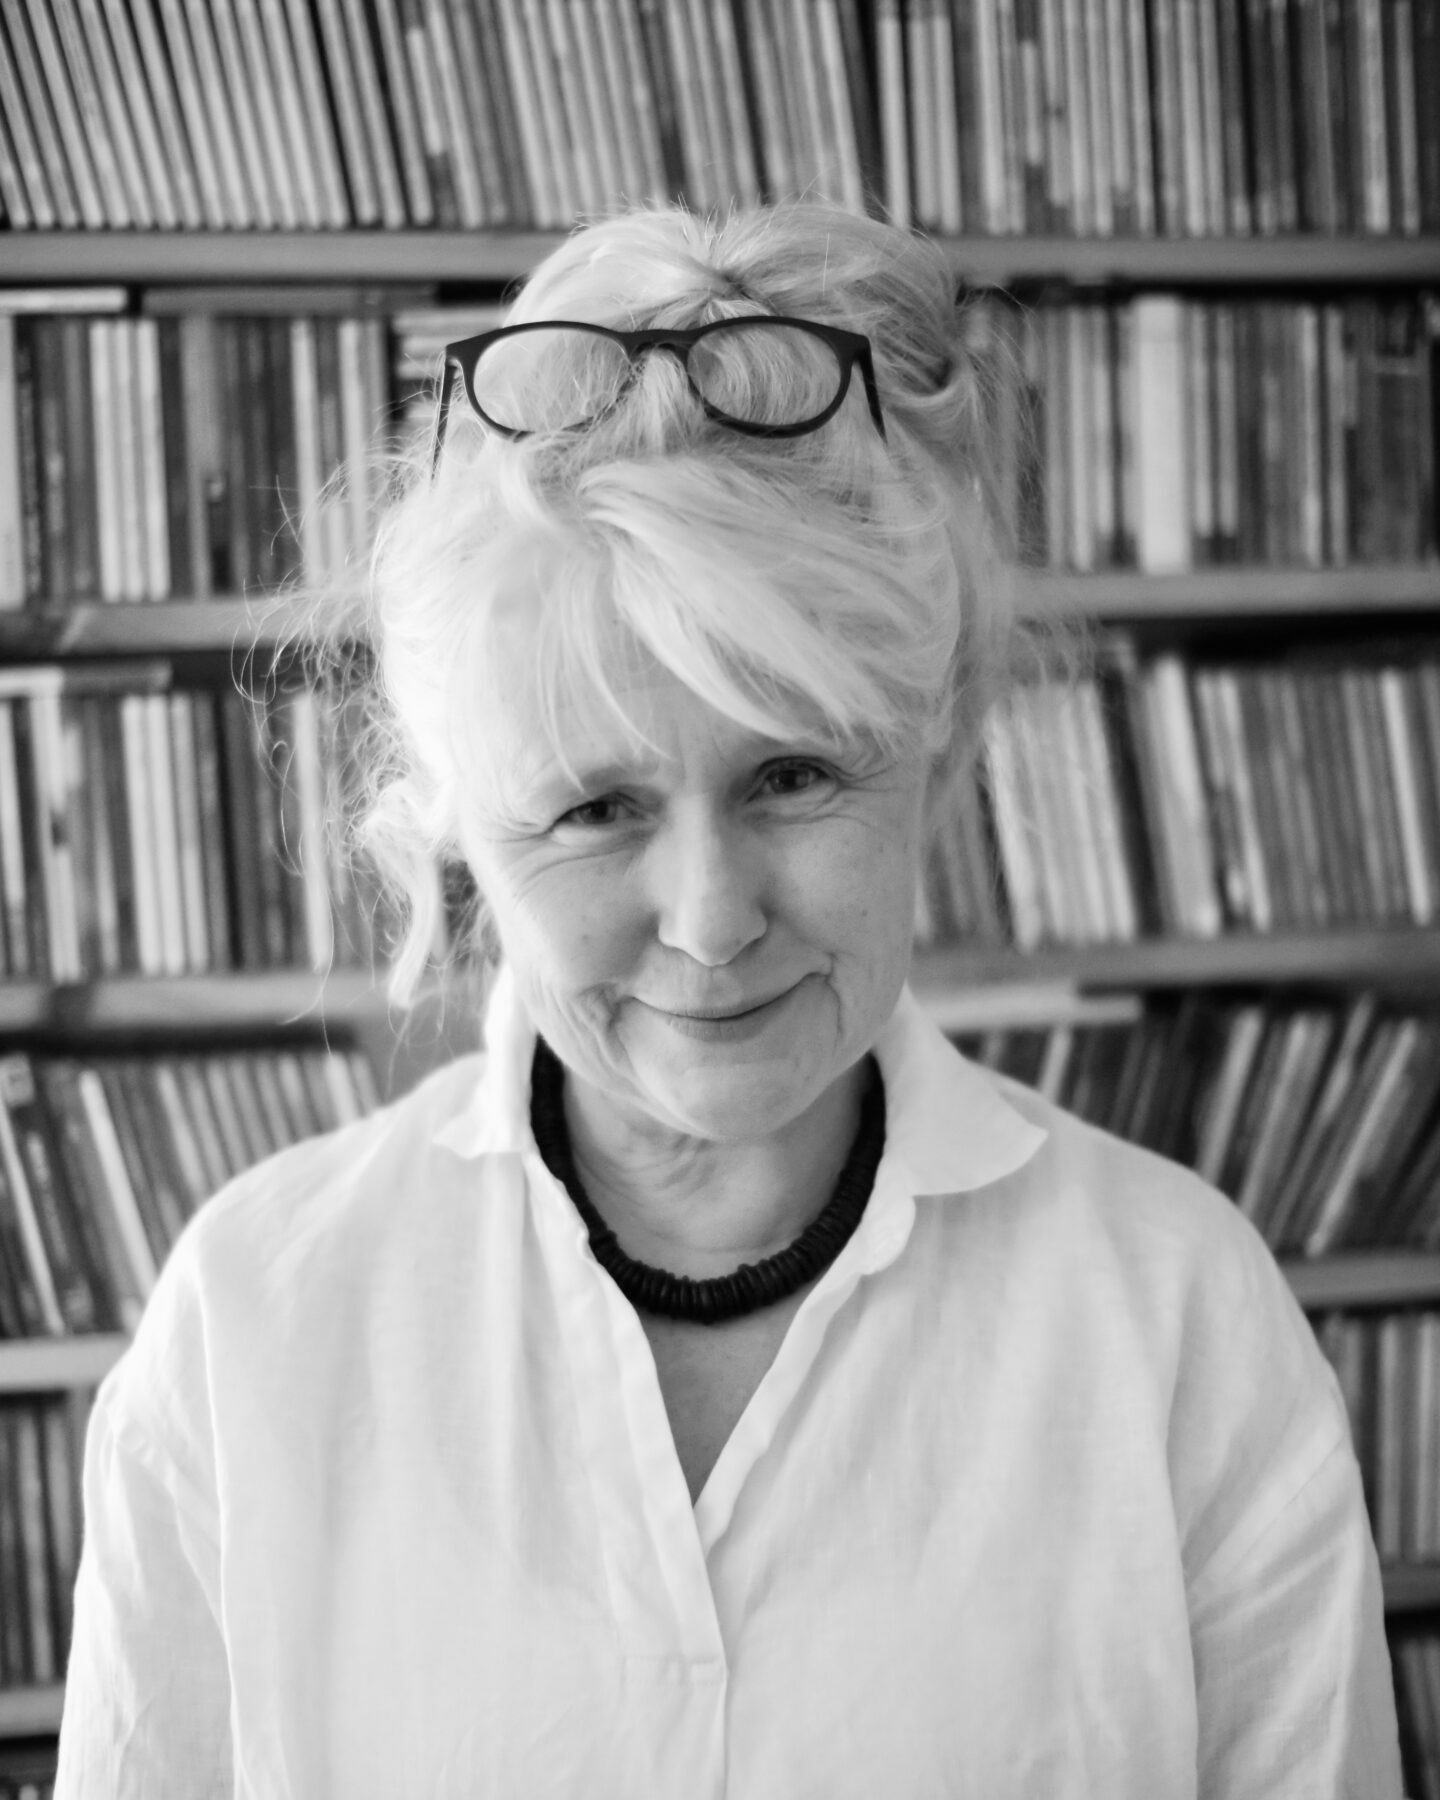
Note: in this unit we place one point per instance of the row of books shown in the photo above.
(154, 829)
(187, 453)
(103, 1159)
(1168, 794)
(1168, 433)
(42, 1440)
(1135, 116)
(238, 113)
(1319, 1117)
(1173, 117)
(195, 452)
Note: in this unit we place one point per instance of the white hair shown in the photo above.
(839, 577)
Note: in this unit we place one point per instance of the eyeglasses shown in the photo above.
(765, 375)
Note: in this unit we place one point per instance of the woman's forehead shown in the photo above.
(644, 724)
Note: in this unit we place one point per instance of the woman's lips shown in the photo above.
(721, 1024)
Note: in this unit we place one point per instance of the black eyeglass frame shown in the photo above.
(850, 348)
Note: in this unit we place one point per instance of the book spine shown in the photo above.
(430, 113)
(62, 47)
(334, 200)
(269, 58)
(738, 99)
(405, 112)
(110, 578)
(280, 110)
(133, 500)
(54, 488)
(79, 1173)
(33, 1177)
(164, 832)
(455, 126)
(76, 201)
(377, 134)
(129, 1087)
(242, 89)
(614, 84)
(580, 131)
(512, 201)
(146, 183)
(1160, 451)
(12, 495)
(1427, 116)
(895, 112)
(34, 203)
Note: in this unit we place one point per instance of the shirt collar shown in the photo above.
(947, 1123)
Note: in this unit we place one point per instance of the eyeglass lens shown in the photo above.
(557, 376)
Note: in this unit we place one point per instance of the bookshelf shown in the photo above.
(498, 257)
(1198, 244)
(1352, 957)
(232, 625)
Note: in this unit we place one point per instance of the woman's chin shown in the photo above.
(736, 1104)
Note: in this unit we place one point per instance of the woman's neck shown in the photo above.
(700, 1208)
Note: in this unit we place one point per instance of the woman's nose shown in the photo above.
(707, 889)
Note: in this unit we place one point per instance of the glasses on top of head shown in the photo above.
(764, 375)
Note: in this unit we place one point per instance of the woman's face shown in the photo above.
(709, 933)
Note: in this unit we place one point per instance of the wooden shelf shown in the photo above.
(1123, 595)
(175, 627)
(31, 1711)
(1365, 1278)
(31, 1365)
(150, 1002)
(1410, 1587)
(1035, 981)
(1377, 954)
(165, 628)
(496, 257)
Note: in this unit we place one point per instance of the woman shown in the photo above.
(724, 1388)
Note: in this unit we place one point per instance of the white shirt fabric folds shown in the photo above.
(1048, 1493)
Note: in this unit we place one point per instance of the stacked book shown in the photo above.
(103, 1159)
(155, 829)
(1193, 796)
(1319, 1117)
(42, 1439)
(1178, 118)
(192, 451)
(1167, 433)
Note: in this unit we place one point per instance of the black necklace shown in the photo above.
(752, 1285)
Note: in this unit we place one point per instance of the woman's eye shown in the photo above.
(793, 777)
(607, 810)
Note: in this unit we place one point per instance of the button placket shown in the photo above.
(664, 1607)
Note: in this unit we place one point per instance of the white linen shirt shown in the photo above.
(1048, 1492)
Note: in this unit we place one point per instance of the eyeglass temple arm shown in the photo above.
(442, 412)
(872, 391)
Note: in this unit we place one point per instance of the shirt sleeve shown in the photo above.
(1294, 1689)
(1292, 1671)
(147, 1687)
